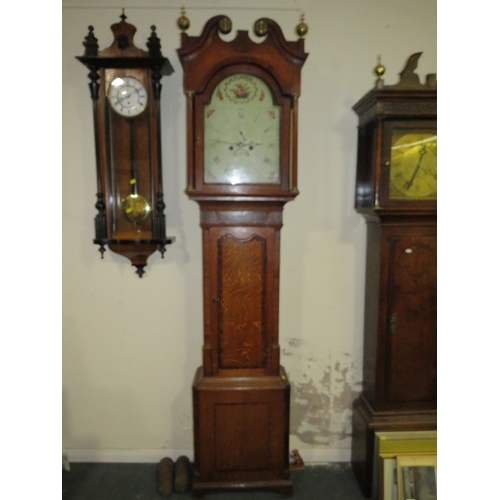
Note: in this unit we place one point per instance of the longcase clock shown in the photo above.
(125, 89)
(241, 169)
(396, 192)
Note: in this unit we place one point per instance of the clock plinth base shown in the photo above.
(241, 433)
(366, 422)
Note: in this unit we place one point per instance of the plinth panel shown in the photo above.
(233, 424)
(241, 432)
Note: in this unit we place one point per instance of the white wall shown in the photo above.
(130, 345)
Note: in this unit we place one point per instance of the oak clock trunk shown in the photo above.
(396, 192)
(241, 169)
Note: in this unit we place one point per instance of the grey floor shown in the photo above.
(99, 481)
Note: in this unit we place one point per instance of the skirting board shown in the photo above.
(153, 456)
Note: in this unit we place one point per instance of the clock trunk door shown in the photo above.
(240, 299)
(411, 321)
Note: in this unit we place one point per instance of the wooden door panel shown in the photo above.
(244, 430)
(241, 293)
(411, 356)
(242, 436)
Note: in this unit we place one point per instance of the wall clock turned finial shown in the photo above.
(183, 22)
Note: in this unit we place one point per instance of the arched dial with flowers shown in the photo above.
(242, 133)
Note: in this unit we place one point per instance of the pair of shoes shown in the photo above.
(167, 483)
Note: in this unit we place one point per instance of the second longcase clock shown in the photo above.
(241, 169)
(396, 192)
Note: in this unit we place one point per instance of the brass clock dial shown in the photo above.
(242, 133)
(413, 165)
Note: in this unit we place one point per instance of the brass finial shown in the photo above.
(183, 21)
(225, 25)
(379, 71)
(260, 27)
(301, 28)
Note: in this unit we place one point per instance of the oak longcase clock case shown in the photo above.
(241, 169)
(396, 192)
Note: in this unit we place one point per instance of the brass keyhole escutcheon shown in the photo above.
(394, 320)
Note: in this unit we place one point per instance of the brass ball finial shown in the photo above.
(260, 27)
(183, 21)
(301, 28)
(379, 70)
(225, 25)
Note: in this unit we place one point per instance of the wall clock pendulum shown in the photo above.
(125, 89)
(241, 169)
(396, 192)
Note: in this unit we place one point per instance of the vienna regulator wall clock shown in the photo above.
(241, 169)
(396, 192)
(125, 89)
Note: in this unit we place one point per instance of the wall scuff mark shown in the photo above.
(323, 387)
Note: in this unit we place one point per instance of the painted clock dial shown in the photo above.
(413, 164)
(127, 96)
(242, 133)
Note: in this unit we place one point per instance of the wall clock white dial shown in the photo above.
(127, 96)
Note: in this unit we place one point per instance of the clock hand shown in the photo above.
(130, 91)
(241, 133)
(218, 141)
(252, 144)
(124, 94)
(409, 183)
(240, 145)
